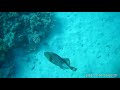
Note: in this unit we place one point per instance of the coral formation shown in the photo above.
(3, 50)
(23, 30)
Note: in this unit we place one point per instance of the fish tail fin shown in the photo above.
(73, 68)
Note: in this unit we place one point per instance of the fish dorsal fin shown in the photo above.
(67, 60)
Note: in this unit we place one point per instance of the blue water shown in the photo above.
(91, 41)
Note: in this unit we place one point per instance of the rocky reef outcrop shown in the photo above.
(24, 30)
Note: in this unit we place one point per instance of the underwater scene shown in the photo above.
(59, 44)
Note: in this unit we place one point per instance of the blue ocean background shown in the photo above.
(91, 41)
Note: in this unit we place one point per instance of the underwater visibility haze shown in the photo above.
(59, 44)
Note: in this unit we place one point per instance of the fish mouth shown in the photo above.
(47, 54)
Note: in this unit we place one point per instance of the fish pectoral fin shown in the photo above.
(67, 60)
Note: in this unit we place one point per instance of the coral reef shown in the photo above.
(3, 50)
(24, 30)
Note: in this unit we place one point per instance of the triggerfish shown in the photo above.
(63, 63)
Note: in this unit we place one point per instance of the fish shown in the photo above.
(63, 63)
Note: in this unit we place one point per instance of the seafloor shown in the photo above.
(91, 41)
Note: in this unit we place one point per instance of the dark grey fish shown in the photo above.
(63, 63)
